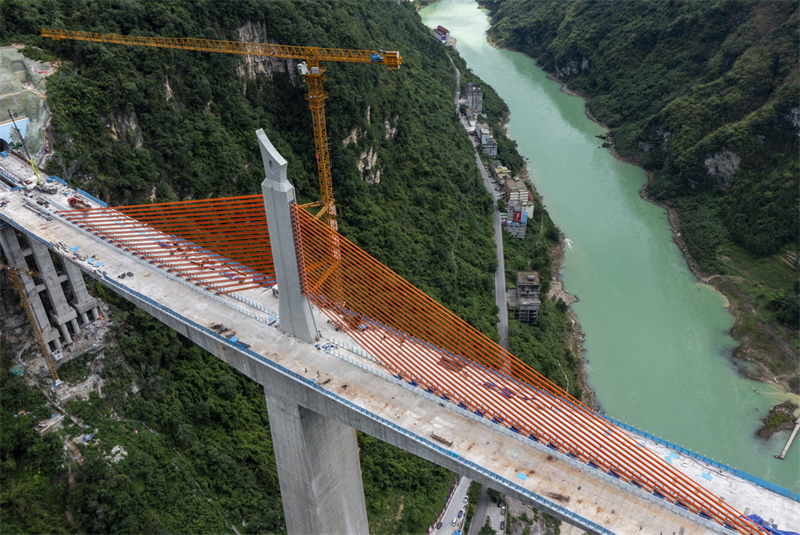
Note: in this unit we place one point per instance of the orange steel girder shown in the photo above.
(316, 95)
(425, 344)
(221, 244)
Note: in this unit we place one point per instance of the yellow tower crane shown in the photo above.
(16, 280)
(313, 76)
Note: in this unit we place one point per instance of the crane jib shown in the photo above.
(309, 68)
(392, 58)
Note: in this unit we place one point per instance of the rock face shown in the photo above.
(127, 127)
(250, 66)
(572, 67)
(391, 128)
(722, 165)
(657, 137)
(366, 165)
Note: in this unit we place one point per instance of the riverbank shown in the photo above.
(753, 357)
(575, 336)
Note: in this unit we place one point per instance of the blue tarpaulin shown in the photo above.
(760, 521)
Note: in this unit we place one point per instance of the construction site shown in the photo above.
(209, 269)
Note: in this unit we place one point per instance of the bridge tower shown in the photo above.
(317, 457)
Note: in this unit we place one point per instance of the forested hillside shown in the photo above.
(705, 96)
(134, 125)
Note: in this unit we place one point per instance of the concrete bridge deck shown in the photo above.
(357, 392)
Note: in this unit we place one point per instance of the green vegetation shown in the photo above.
(32, 477)
(486, 529)
(404, 493)
(781, 417)
(133, 125)
(704, 95)
(198, 450)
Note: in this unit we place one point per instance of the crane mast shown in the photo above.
(312, 73)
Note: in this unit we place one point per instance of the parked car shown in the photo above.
(460, 513)
(502, 525)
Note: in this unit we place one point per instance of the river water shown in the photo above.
(657, 343)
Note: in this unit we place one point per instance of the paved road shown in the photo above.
(451, 513)
(480, 513)
(500, 274)
(458, 82)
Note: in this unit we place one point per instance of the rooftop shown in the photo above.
(527, 277)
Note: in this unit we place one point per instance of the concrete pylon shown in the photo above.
(294, 308)
(317, 457)
(318, 465)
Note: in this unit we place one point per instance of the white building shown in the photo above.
(442, 34)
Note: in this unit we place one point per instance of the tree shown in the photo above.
(487, 529)
(19, 497)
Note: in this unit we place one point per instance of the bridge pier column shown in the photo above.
(317, 457)
(293, 307)
(16, 257)
(318, 466)
(82, 302)
(62, 314)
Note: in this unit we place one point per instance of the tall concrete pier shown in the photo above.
(318, 464)
(317, 457)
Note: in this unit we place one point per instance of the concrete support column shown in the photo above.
(83, 302)
(65, 333)
(318, 466)
(13, 252)
(62, 313)
(293, 307)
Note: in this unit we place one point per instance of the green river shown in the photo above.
(658, 348)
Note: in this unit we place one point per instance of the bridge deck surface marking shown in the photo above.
(548, 475)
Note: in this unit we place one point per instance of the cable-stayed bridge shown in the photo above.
(405, 370)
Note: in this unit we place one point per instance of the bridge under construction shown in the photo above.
(399, 366)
